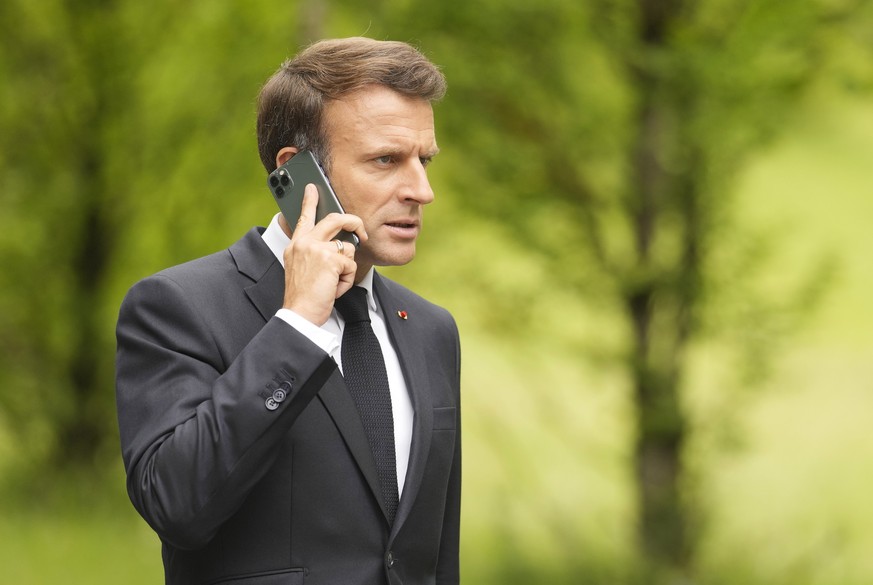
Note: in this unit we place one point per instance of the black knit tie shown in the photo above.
(364, 373)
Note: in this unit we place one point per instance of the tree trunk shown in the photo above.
(657, 309)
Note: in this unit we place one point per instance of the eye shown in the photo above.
(385, 159)
(425, 160)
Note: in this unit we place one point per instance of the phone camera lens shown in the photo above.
(284, 179)
(274, 181)
(279, 191)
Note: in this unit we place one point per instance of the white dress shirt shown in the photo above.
(329, 337)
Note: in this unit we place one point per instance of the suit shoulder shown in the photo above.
(202, 273)
(212, 271)
(205, 269)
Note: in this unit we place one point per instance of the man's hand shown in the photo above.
(317, 269)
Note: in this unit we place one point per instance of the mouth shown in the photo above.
(404, 228)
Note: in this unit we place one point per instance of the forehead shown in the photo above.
(377, 114)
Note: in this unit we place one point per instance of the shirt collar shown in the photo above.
(367, 284)
(276, 239)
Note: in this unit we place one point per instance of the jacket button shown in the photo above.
(389, 559)
(271, 403)
(283, 391)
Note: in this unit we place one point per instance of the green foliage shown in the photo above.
(608, 141)
(127, 144)
(138, 143)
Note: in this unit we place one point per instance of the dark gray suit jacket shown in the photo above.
(242, 491)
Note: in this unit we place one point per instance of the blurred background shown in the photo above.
(652, 225)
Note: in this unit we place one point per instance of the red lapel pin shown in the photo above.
(402, 314)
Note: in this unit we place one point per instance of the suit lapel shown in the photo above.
(406, 338)
(255, 260)
(339, 403)
(267, 293)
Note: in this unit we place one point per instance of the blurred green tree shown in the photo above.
(603, 137)
(105, 106)
(64, 92)
(607, 138)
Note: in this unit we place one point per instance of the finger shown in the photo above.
(334, 223)
(346, 277)
(306, 221)
(344, 286)
(340, 246)
(349, 251)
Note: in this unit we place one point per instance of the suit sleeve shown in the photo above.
(448, 563)
(197, 433)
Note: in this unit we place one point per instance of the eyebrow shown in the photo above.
(397, 150)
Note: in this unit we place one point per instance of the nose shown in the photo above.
(418, 188)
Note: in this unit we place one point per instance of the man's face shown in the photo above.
(380, 143)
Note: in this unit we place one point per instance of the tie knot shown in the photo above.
(353, 305)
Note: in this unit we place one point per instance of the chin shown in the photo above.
(396, 258)
(388, 255)
(395, 261)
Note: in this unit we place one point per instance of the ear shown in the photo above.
(285, 155)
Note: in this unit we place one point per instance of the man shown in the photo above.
(247, 449)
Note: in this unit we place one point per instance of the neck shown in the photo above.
(362, 271)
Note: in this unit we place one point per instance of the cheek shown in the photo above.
(364, 196)
(364, 204)
(344, 192)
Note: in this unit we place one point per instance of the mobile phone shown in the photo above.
(288, 182)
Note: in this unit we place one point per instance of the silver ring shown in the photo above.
(339, 246)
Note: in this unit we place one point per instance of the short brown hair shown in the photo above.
(291, 103)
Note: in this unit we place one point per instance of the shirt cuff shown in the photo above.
(323, 339)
